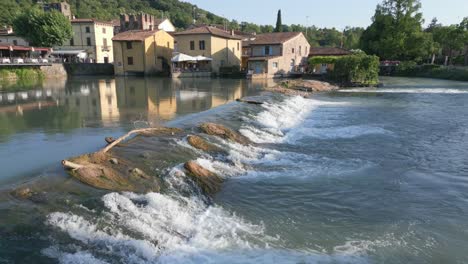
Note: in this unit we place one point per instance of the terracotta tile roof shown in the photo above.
(326, 51)
(91, 20)
(209, 30)
(134, 35)
(272, 38)
(158, 21)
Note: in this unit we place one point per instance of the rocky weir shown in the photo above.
(107, 168)
(127, 163)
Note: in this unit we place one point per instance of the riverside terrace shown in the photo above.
(11, 55)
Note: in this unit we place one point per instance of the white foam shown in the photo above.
(80, 257)
(157, 228)
(274, 123)
(346, 132)
(163, 227)
(407, 91)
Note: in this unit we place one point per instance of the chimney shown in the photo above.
(232, 32)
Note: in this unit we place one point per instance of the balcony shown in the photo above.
(106, 48)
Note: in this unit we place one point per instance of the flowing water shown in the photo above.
(356, 176)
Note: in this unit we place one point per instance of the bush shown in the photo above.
(322, 60)
(359, 69)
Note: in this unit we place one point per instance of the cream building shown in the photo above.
(142, 52)
(93, 37)
(7, 36)
(278, 54)
(224, 48)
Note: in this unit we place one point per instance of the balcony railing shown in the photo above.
(106, 48)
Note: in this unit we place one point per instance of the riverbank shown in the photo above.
(454, 73)
(11, 79)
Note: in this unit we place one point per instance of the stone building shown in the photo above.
(142, 52)
(222, 47)
(92, 37)
(277, 54)
(62, 7)
(144, 21)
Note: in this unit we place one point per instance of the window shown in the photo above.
(87, 30)
(104, 42)
(72, 42)
(275, 65)
(88, 41)
(292, 50)
(201, 44)
(300, 50)
(103, 30)
(130, 60)
(168, 44)
(267, 50)
(222, 63)
(192, 45)
(15, 42)
(129, 45)
(238, 46)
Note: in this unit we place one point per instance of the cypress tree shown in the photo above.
(279, 23)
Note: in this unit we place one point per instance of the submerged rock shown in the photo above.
(136, 172)
(25, 193)
(200, 143)
(163, 131)
(208, 181)
(242, 100)
(22, 193)
(224, 132)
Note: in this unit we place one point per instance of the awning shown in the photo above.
(78, 53)
(182, 57)
(203, 58)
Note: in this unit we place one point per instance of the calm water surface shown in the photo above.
(356, 176)
(43, 125)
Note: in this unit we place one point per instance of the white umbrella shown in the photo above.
(182, 57)
(203, 58)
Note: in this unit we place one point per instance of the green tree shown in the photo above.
(279, 23)
(45, 29)
(396, 32)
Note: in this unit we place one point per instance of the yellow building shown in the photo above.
(92, 37)
(142, 52)
(224, 48)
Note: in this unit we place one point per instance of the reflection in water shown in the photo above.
(70, 109)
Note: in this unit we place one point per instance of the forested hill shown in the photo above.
(180, 13)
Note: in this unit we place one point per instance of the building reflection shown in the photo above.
(62, 104)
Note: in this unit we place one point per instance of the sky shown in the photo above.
(324, 13)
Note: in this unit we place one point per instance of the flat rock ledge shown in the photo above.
(224, 132)
(302, 87)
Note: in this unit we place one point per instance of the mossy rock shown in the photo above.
(201, 144)
(208, 181)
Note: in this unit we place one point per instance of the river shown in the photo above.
(356, 176)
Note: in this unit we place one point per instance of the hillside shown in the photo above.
(181, 13)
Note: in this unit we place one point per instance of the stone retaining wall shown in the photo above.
(89, 69)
